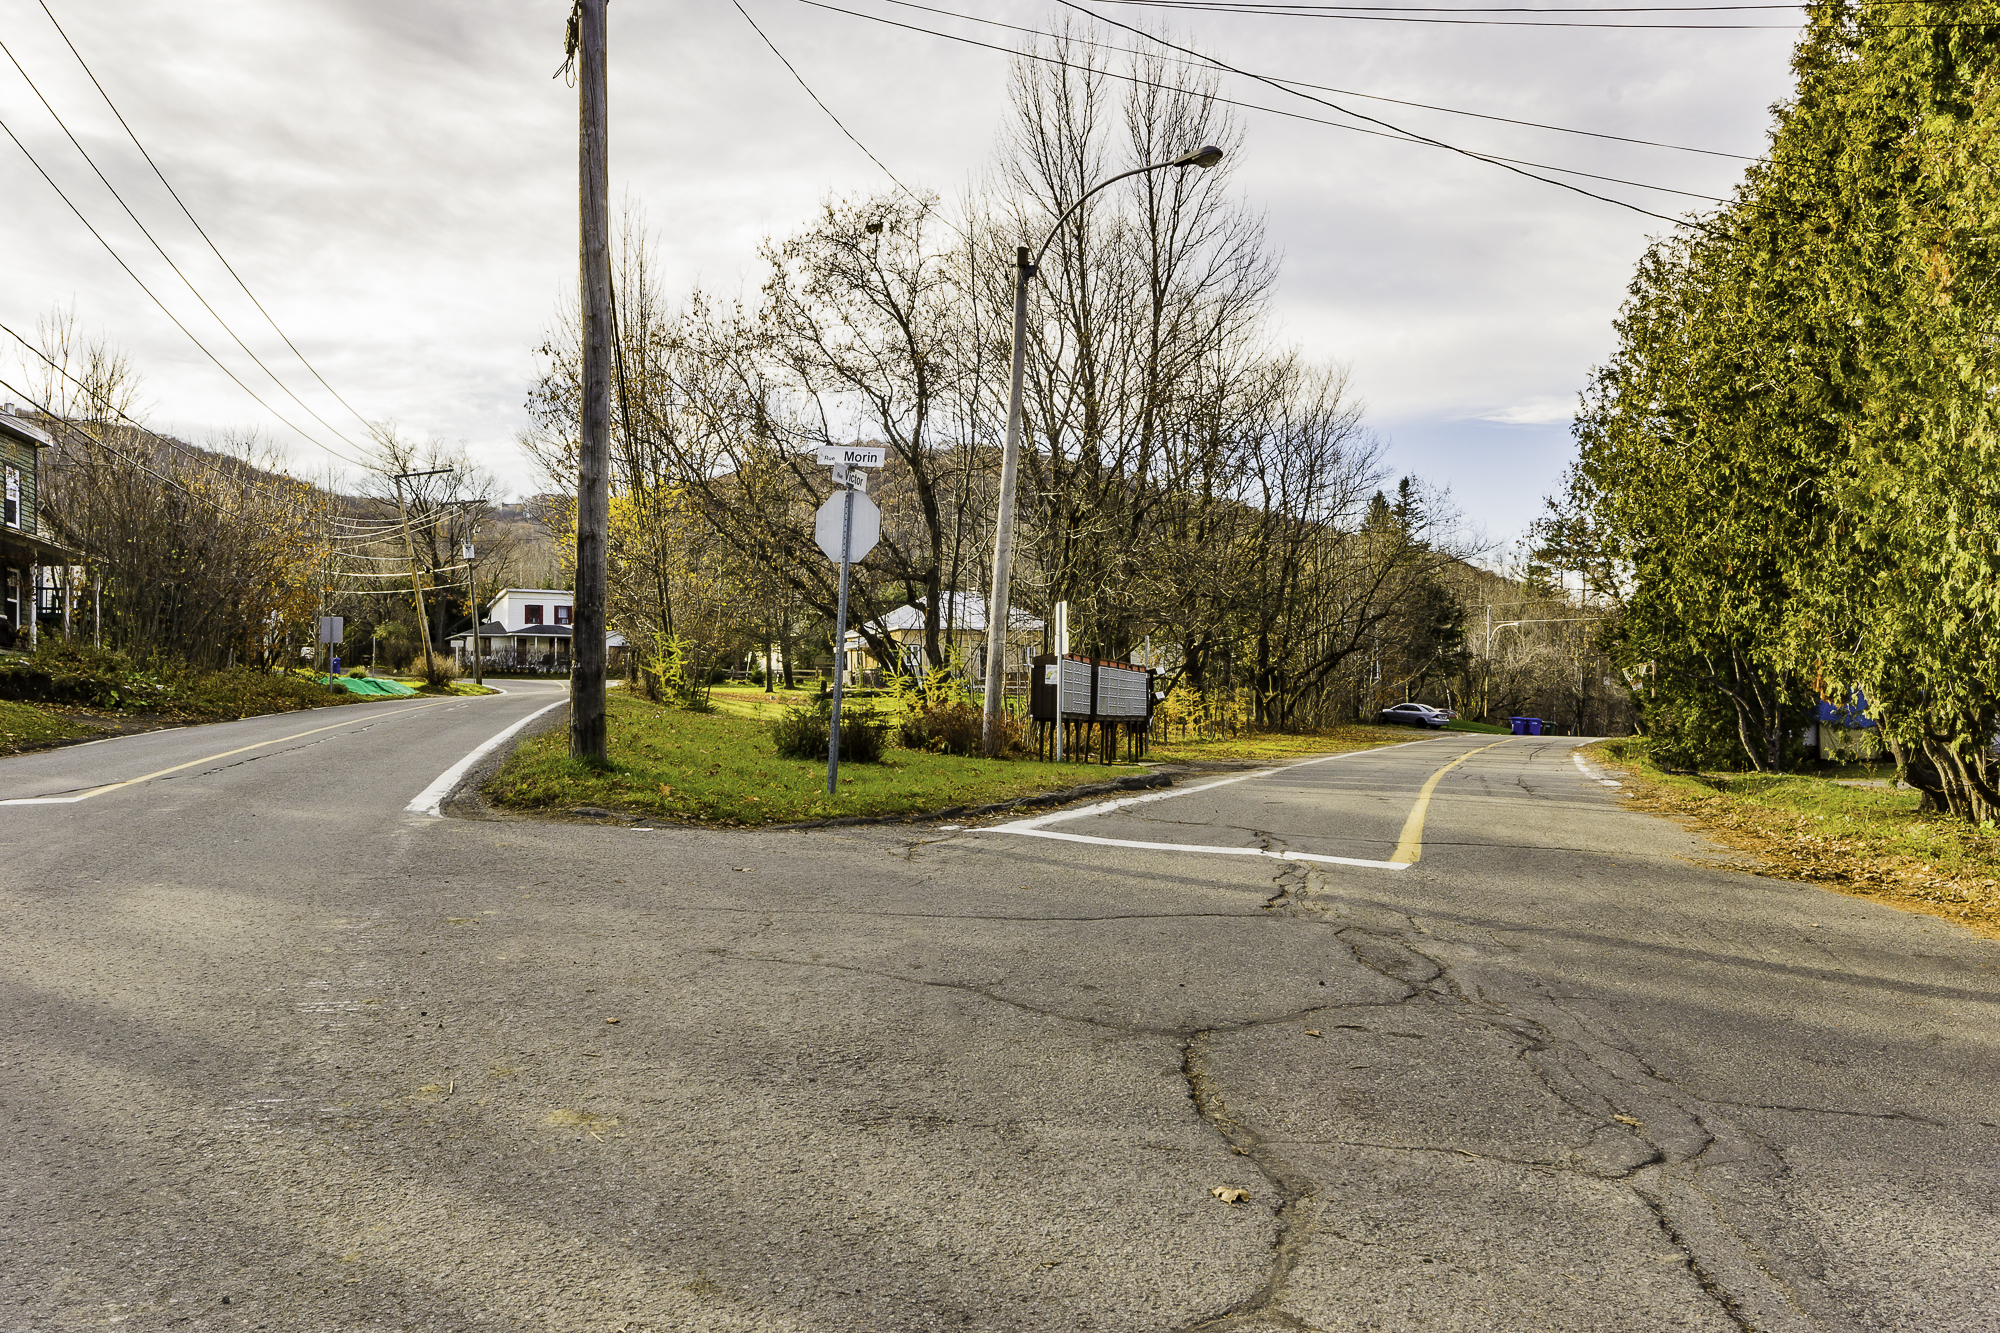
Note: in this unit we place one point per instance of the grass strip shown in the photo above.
(32, 727)
(720, 767)
(1869, 842)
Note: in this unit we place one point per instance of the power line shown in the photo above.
(47, 415)
(822, 105)
(1391, 132)
(103, 403)
(197, 225)
(185, 280)
(1503, 163)
(1230, 7)
(202, 347)
(1349, 92)
(147, 431)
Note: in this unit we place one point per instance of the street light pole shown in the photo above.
(998, 610)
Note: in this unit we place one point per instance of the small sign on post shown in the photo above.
(846, 528)
(331, 630)
(854, 455)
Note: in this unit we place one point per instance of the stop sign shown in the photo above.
(866, 530)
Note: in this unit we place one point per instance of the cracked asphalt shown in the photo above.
(276, 1053)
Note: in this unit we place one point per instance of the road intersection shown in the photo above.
(1479, 1047)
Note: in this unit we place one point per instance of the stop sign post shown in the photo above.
(847, 527)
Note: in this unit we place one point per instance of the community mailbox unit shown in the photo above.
(1100, 702)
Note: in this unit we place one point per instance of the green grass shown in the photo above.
(31, 727)
(1869, 841)
(720, 767)
(1483, 728)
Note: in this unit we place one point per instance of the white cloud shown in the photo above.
(1534, 412)
(397, 182)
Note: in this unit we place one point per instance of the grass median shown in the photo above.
(1867, 841)
(720, 767)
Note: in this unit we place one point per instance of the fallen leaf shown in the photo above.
(613, 1020)
(1312, 1032)
(1628, 1119)
(1230, 1194)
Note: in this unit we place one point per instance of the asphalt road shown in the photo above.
(277, 1052)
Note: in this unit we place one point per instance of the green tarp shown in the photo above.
(394, 689)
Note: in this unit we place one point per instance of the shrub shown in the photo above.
(442, 671)
(673, 673)
(943, 728)
(802, 732)
(358, 673)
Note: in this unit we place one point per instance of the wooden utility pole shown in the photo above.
(410, 551)
(472, 599)
(593, 505)
(416, 580)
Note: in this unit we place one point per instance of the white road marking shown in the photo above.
(208, 759)
(1201, 849)
(1590, 771)
(1033, 827)
(430, 798)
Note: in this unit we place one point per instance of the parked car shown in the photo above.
(1416, 715)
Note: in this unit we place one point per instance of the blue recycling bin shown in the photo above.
(1534, 726)
(1519, 725)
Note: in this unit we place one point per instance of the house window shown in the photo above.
(531, 615)
(13, 497)
(562, 615)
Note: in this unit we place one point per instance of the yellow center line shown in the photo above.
(280, 740)
(1411, 845)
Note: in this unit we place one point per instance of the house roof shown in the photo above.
(493, 629)
(962, 610)
(21, 427)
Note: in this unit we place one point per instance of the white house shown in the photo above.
(964, 631)
(525, 626)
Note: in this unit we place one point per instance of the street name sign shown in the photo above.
(867, 526)
(854, 455)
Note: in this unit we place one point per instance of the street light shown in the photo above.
(997, 611)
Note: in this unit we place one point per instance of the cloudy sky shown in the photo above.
(396, 183)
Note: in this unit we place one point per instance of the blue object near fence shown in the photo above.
(1850, 716)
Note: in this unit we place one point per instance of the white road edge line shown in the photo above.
(1576, 757)
(1106, 807)
(430, 798)
(1033, 827)
(1196, 847)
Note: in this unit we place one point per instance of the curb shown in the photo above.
(1137, 782)
(1134, 783)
